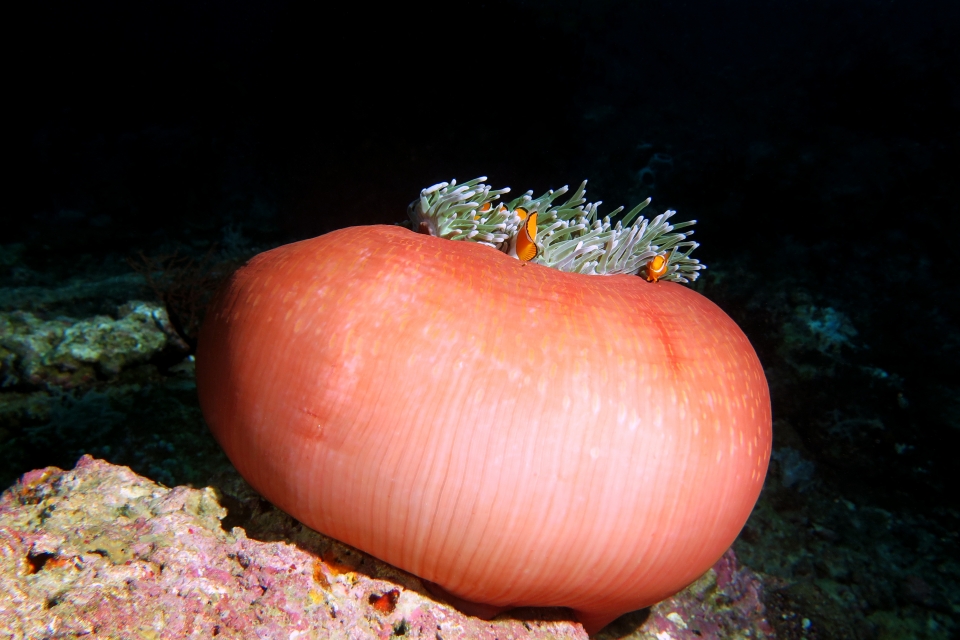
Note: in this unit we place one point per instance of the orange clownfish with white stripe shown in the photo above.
(484, 209)
(526, 243)
(656, 268)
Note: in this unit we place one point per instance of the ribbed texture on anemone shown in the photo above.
(515, 434)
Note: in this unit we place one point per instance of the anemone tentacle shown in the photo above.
(571, 236)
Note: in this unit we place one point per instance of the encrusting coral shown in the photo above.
(570, 236)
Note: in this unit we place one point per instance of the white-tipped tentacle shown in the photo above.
(570, 236)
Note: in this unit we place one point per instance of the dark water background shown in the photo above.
(817, 143)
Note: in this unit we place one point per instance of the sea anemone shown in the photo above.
(571, 236)
(497, 404)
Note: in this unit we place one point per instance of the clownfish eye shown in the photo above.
(656, 268)
(526, 237)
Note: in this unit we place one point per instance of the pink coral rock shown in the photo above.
(99, 551)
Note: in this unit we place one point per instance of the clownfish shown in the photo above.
(483, 209)
(526, 236)
(656, 268)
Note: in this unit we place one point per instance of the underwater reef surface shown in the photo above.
(853, 531)
(850, 537)
(101, 551)
(118, 386)
(67, 352)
